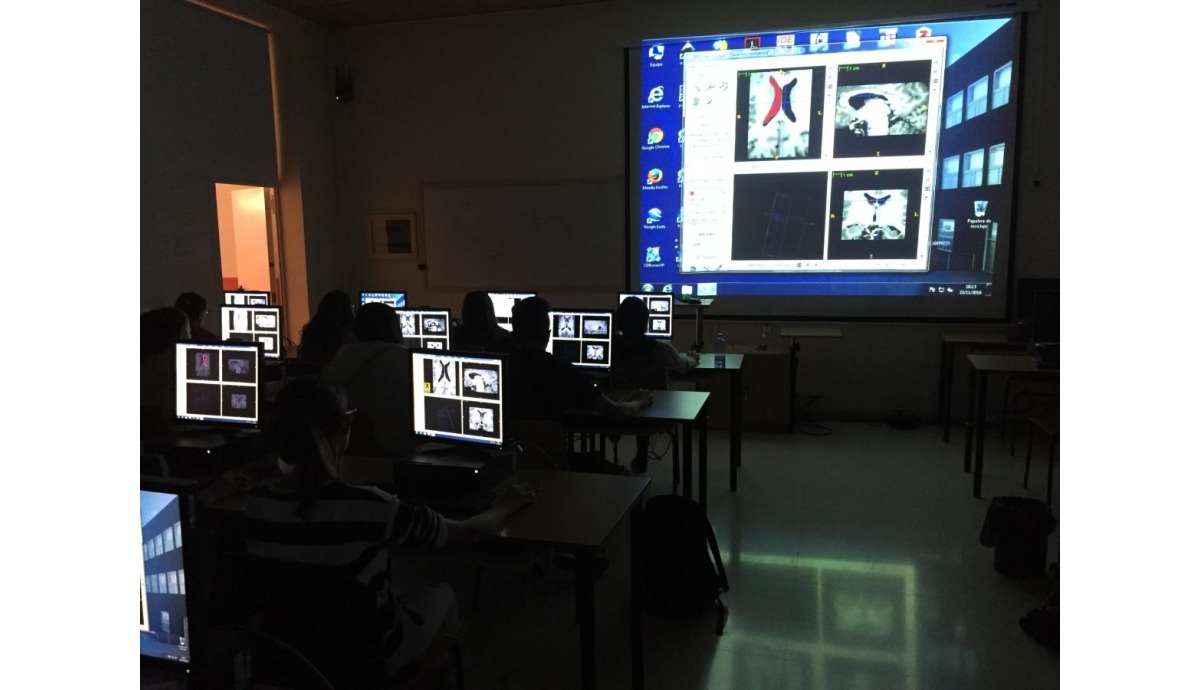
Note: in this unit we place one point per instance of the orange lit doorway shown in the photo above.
(248, 223)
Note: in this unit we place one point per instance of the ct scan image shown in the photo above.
(874, 215)
(778, 119)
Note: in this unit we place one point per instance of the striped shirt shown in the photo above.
(348, 529)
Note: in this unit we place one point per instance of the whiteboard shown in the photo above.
(532, 236)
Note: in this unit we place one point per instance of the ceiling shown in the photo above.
(344, 13)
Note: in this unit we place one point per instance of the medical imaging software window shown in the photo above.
(581, 338)
(821, 161)
(252, 324)
(217, 384)
(458, 396)
(426, 329)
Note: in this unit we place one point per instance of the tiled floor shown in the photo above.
(854, 562)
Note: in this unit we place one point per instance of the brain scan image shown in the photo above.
(239, 366)
(408, 324)
(877, 214)
(594, 353)
(481, 419)
(435, 325)
(595, 327)
(238, 401)
(778, 124)
(481, 381)
(566, 326)
(444, 379)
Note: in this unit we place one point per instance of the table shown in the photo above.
(982, 367)
(950, 342)
(733, 369)
(578, 511)
(670, 408)
(796, 334)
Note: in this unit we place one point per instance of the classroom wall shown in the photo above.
(540, 95)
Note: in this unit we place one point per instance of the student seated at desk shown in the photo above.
(479, 329)
(161, 329)
(633, 345)
(376, 375)
(310, 518)
(196, 308)
(544, 387)
(329, 330)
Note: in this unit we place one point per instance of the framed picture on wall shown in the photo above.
(392, 236)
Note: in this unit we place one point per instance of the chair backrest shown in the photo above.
(329, 617)
(543, 443)
(635, 373)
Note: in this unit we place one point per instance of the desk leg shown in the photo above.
(686, 460)
(703, 478)
(636, 595)
(585, 608)
(970, 435)
(980, 424)
(794, 352)
(946, 389)
(735, 427)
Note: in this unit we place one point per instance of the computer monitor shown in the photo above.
(218, 382)
(459, 397)
(502, 304)
(253, 324)
(242, 297)
(166, 617)
(427, 328)
(582, 336)
(398, 300)
(662, 312)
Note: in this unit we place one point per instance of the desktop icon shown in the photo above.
(679, 177)
(654, 136)
(685, 289)
(720, 44)
(753, 42)
(924, 32)
(853, 40)
(687, 48)
(654, 176)
(654, 215)
(680, 137)
(887, 37)
(819, 41)
(656, 52)
(706, 289)
(679, 217)
(656, 95)
(981, 208)
(785, 40)
(647, 287)
(667, 288)
(653, 255)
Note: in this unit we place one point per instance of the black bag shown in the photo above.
(683, 569)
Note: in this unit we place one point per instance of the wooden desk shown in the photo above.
(578, 511)
(733, 369)
(796, 334)
(670, 408)
(983, 366)
(950, 343)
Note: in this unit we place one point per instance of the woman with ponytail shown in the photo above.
(307, 516)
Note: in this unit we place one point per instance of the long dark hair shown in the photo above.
(303, 429)
(329, 328)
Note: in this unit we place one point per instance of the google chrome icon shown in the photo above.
(654, 176)
(654, 136)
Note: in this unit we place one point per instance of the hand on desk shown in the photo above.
(517, 496)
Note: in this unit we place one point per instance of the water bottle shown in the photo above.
(719, 358)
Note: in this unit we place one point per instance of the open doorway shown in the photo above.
(248, 224)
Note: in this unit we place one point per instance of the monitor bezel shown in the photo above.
(504, 442)
(187, 491)
(224, 423)
(278, 323)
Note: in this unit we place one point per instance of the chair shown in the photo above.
(330, 619)
(543, 444)
(1038, 392)
(634, 374)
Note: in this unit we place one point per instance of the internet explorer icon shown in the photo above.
(656, 95)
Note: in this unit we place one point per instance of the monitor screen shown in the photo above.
(458, 397)
(163, 615)
(582, 337)
(253, 324)
(242, 297)
(425, 328)
(217, 382)
(863, 171)
(662, 311)
(502, 303)
(392, 299)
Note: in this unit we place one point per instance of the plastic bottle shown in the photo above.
(719, 358)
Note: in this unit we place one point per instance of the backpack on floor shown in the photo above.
(683, 569)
